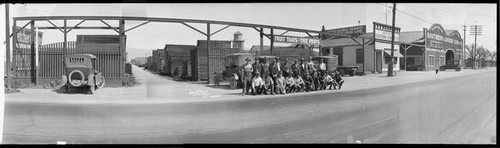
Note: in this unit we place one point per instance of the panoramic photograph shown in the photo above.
(335, 73)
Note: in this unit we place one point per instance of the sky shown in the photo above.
(312, 16)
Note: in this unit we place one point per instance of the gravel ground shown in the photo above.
(154, 88)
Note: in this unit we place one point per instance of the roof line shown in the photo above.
(175, 20)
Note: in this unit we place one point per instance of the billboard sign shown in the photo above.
(300, 40)
(24, 38)
(350, 31)
(384, 32)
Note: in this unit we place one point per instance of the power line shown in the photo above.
(408, 14)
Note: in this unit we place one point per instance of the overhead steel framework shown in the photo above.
(121, 30)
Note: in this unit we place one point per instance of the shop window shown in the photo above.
(359, 56)
(431, 61)
(441, 60)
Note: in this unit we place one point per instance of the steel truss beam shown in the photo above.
(194, 29)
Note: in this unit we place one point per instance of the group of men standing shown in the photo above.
(270, 78)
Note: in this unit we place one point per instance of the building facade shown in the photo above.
(431, 48)
(369, 51)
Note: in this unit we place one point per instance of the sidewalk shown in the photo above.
(154, 88)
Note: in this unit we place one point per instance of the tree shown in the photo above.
(492, 56)
(480, 53)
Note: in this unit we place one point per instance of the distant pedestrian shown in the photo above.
(247, 76)
(437, 71)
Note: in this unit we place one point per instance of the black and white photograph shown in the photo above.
(249, 73)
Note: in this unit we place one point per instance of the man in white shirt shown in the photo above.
(257, 84)
(322, 67)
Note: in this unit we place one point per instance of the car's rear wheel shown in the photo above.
(76, 78)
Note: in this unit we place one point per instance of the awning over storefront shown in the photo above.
(396, 54)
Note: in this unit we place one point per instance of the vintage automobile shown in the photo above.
(232, 72)
(81, 72)
(455, 65)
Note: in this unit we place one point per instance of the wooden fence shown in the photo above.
(51, 57)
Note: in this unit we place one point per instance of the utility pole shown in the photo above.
(464, 44)
(475, 30)
(390, 68)
(7, 44)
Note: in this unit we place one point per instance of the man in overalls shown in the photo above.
(247, 76)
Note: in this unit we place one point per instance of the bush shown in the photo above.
(128, 68)
(129, 80)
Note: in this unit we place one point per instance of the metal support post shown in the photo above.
(7, 45)
(261, 41)
(272, 40)
(122, 47)
(208, 53)
(32, 54)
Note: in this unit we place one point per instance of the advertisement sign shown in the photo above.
(24, 38)
(301, 40)
(350, 31)
(384, 32)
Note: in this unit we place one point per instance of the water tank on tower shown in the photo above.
(238, 40)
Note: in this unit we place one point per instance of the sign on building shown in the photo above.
(350, 31)
(384, 32)
(24, 38)
(300, 40)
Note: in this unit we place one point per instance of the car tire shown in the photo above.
(71, 74)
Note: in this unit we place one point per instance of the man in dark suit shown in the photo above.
(286, 68)
(256, 66)
(295, 68)
(264, 67)
(302, 68)
(273, 69)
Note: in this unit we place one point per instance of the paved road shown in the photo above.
(454, 110)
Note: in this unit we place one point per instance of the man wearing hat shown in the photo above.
(302, 68)
(280, 84)
(247, 75)
(258, 84)
(295, 68)
(310, 66)
(285, 68)
(274, 69)
(264, 66)
(256, 66)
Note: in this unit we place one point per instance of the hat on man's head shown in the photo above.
(301, 59)
(247, 59)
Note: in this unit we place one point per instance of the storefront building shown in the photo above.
(431, 48)
(369, 51)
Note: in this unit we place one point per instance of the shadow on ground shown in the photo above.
(73, 90)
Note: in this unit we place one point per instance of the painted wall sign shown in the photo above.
(384, 32)
(351, 31)
(302, 40)
(24, 38)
